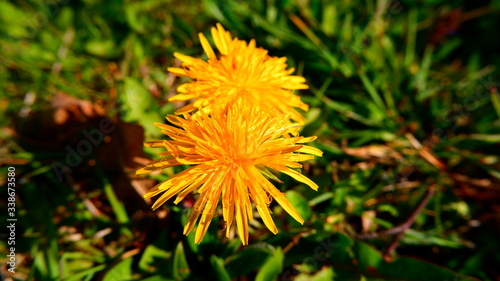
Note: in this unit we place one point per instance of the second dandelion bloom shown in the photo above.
(231, 152)
(239, 71)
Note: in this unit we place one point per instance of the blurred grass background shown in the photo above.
(403, 98)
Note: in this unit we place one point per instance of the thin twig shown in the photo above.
(400, 229)
(392, 247)
(406, 224)
(295, 241)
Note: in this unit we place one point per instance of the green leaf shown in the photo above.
(46, 263)
(74, 262)
(312, 115)
(246, 260)
(102, 48)
(495, 99)
(181, 267)
(299, 203)
(371, 262)
(137, 105)
(117, 205)
(321, 198)
(138, 14)
(347, 110)
(156, 278)
(220, 271)
(152, 253)
(15, 21)
(330, 18)
(212, 8)
(370, 88)
(326, 274)
(360, 258)
(272, 268)
(120, 272)
(422, 76)
(421, 238)
(411, 37)
(89, 273)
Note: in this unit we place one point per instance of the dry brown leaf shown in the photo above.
(381, 153)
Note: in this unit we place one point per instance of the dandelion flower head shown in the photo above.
(240, 71)
(230, 152)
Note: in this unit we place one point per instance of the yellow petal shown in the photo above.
(307, 139)
(183, 97)
(185, 59)
(186, 109)
(259, 196)
(184, 88)
(189, 189)
(193, 217)
(266, 217)
(285, 204)
(208, 213)
(154, 144)
(158, 164)
(242, 223)
(174, 120)
(292, 164)
(228, 205)
(177, 71)
(220, 39)
(206, 46)
(299, 157)
(173, 186)
(310, 150)
(279, 197)
(300, 177)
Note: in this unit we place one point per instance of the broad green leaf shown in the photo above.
(300, 204)
(371, 262)
(218, 267)
(152, 253)
(325, 274)
(246, 260)
(272, 268)
(358, 257)
(86, 274)
(121, 271)
(137, 105)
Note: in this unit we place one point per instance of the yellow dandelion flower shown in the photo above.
(240, 71)
(231, 151)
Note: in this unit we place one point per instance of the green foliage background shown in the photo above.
(403, 98)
